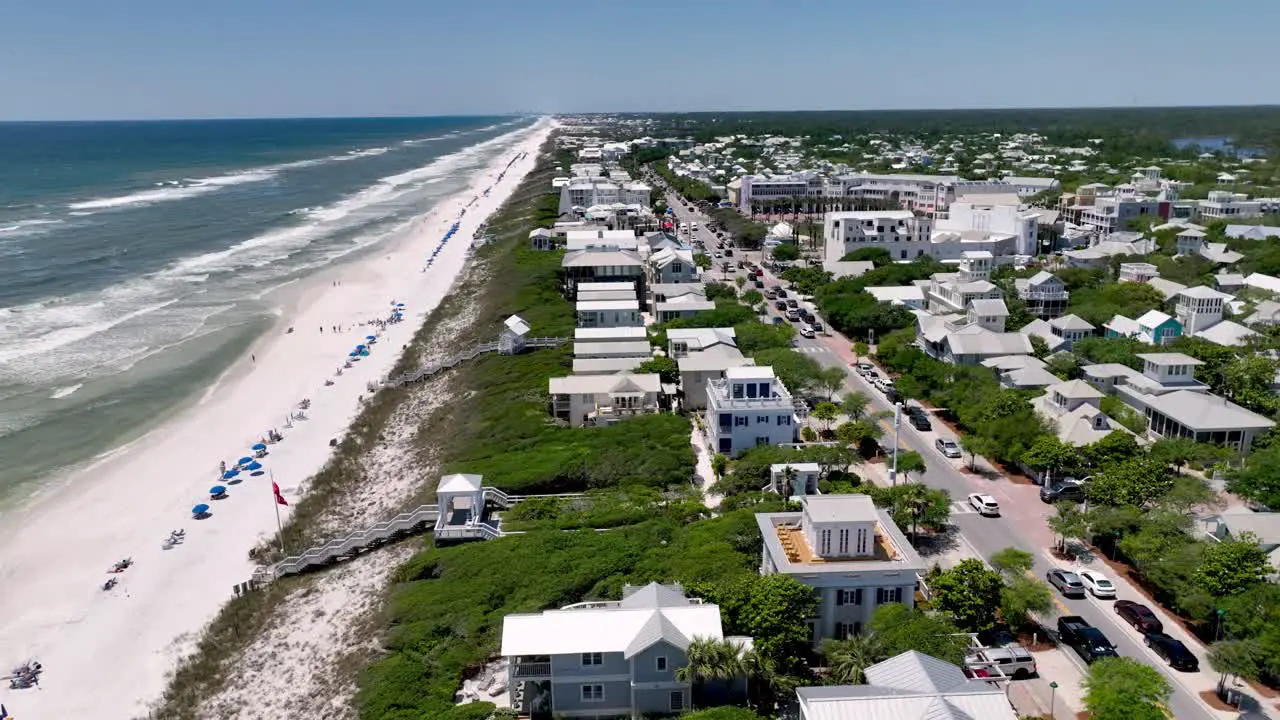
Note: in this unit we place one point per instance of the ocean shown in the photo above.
(134, 256)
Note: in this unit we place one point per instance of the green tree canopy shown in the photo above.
(1013, 561)
(755, 336)
(825, 412)
(1138, 482)
(854, 405)
(901, 628)
(1124, 689)
(1231, 566)
(665, 367)
(797, 371)
(772, 609)
(1259, 479)
(786, 252)
(848, 659)
(969, 593)
(1022, 595)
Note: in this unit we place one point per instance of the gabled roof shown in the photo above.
(1203, 412)
(1071, 322)
(1153, 319)
(1226, 333)
(1169, 358)
(656, 629)
(516, 324)
(459, 482)
(1075, 390)
(1202, 292)
(1167, 288)
(916, 672)
(990, 307)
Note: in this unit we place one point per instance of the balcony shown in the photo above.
(526, 669)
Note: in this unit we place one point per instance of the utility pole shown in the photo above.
(897, 425)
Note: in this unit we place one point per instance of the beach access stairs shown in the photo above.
(417, 521)
(471, 353)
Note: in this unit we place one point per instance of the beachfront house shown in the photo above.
(702, 354)
(609, 313)
(1044, 295)
(604, 399)
(906, 687)
(608, 265)
(748, 407)
(611, 659)
(849, 551)
(511, 339)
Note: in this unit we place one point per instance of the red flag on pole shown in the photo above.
(279, 498)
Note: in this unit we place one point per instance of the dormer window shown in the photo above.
(1100, 422)
(1059, 399)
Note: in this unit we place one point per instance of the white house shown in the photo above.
(997, 222)
(909, 296)
(849, 551)
(608, 313)
(670, 265)
(1138, 272)
(1044, 294)
(906, 687)
(603, 399)
(702, 354)
(748, 407)
(953, 292)
(1073, 407)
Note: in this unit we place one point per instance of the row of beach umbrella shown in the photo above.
(453, 230)
(246, 464)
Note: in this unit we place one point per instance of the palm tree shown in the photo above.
(848, 659)
(710, 659)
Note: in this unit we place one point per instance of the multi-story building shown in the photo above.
(1138, 272)
(953, 292)
(930, 195)
(702, 354)
(749, 406)
(849, 551)
(603, 399)
(1104, 210)
(899, 232)
(609, 659)
(1044, 295)
(585, 192)
(1199, 308)
(1227, 204)
(759, 188)
(997, 223)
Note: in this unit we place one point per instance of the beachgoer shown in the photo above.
(253, 358)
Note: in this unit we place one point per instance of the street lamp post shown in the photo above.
(1053, 695)
(897, 424)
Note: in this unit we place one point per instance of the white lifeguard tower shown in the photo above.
(511, 339)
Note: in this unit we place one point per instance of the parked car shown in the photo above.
(728, 252)
(817, 325)
(984, 504)
(1172, 651)
(1087, 640)
(806, 331)
(948, 448)
(759, 284)
(1067, 582)
(771, 294)
(777, 320)
(782, 292)
(793, 315)
(1063, 491)
(780, 305)
(1139, 616)
(1014, 662)
(997, 636)
(920, 422)
(791, 302)
(863, 368)
(1097, 584)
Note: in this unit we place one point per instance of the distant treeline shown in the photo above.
(1246, 126)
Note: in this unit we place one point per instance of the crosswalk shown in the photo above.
(811, 349)
(960, 507)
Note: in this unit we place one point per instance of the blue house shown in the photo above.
(1153, 328)
(609, 659)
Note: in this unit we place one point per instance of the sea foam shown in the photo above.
(184, 189)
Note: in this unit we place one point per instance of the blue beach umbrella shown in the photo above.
(258, 446)
(255, 465)
(230, 474)
(353, 353)
(200, 510)
(361, 346)
(244, 460)
(370, 337)
(218, 490)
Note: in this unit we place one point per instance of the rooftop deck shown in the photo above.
(798, 550)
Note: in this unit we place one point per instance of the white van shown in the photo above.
(694, 227)
(684, 227)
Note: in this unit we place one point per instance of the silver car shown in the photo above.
(948, 448)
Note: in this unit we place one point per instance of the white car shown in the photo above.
(806, 331)
(1097, 584)
(984, 504)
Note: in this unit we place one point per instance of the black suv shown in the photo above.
(1059, 492)
(1087, 640)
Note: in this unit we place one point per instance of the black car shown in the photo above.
(1087, 640)
(1060, 492)
(920, 422)
(1173, 652)
(1139, 616)
(781, 305)
(791, 302)
(782, 293)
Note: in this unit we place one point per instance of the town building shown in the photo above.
(602, 266)
(899, 232)
(748, 407)
(581, 400)
(1021, 372)
(1229, 205)
(581, 193)
(608, 313)
(609, 659)
(909, 296)
(954, 292)
(996, 223)
(971, 338)
(671, 265)
(1059, 333)
(794, 480)
(1074, 409)
(702, 354)
(906, 687)
(1175, 403)
(1044, 295)
(849, 551)
(1138, 272)
(1152, 328)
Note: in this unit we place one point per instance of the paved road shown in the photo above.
(1022, 524)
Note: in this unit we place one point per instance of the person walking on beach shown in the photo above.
(253, 359)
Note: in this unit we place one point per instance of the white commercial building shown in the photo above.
(899, 232)
(997, 223)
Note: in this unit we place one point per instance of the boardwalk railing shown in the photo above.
(404, 524)
(471, 353)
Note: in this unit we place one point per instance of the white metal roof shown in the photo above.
(609, 629)
(840, 508)
(459, 483)
(619, 334)
(601, 384)
(1203, 412)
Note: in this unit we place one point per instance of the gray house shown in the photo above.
(611, 659)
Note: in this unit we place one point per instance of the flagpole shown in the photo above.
(276, 505)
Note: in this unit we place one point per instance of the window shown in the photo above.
(784, 419)
(592, 693)
(824, 544)
(762, 419)
(849, 597)
(888, 595)
(677, 267)
(741, 421)
(844, 631)
(862, 550)
(844, 541)
(677, 701)
(660, 663)
(592, 659)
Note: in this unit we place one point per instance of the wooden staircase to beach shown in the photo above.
(471, 353)
(420, 520)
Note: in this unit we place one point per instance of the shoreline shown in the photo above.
(108, 654)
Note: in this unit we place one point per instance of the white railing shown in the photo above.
(469, 354)
(323, 554)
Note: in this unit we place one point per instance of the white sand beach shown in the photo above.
(106, 654)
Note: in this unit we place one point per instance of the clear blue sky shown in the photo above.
(97, 59)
